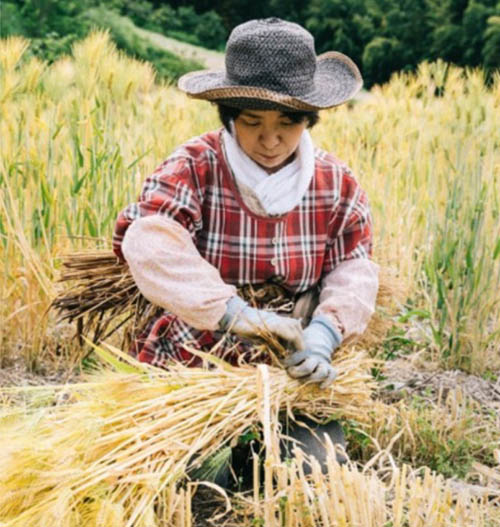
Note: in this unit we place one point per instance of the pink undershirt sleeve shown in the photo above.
(348, 295)
(170, 272)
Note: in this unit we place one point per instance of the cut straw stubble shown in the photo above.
(344, 496)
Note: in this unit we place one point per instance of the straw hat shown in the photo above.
(272, 64)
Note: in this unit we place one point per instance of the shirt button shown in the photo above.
(275, 241)
(273, 261)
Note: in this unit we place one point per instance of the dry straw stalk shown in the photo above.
(116, 446)
(347, 497)
(101, 295)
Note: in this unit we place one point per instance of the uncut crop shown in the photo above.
(77, 138)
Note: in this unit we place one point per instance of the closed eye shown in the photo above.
(256, 123)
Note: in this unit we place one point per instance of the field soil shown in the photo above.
(402, 376)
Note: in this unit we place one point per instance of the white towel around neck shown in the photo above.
(281, 191)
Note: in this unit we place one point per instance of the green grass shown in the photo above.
(447, 435)
(462, 273)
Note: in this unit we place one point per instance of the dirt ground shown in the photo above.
(402, 376)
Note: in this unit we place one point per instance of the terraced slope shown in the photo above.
(211, 59)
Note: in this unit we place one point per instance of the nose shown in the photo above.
(269, 138)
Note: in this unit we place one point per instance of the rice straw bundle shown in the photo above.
(103, 297)
(117, 446)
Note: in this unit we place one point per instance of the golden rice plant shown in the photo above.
(377, 495)
(116, 450)
(78, 137)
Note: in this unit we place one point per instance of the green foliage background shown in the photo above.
(53, 26)
(381, 36)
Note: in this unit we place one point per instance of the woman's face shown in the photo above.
(268, 137)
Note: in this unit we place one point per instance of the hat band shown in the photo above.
(287, 83)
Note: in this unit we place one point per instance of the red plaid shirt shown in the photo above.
(196, 187)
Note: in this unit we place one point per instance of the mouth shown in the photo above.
(269, 158)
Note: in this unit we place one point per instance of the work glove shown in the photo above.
(312, 364)
(246, 321)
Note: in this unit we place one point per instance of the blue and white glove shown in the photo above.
(246, 321)
(321, 338)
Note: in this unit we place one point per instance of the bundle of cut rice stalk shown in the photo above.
(113, 450)
(103, 298)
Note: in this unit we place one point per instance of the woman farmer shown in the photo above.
(253, 203)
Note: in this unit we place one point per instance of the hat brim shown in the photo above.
(336, 80)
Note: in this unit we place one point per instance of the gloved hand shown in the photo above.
(313, 364)
(246, 321)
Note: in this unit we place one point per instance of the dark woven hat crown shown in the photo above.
(271, 63)
(273, 55)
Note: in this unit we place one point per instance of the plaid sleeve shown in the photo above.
(350, 228)
(172, 190)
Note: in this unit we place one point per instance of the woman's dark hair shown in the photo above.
(226, 113)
